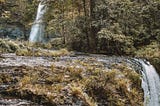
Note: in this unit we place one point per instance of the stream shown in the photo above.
(150, 84)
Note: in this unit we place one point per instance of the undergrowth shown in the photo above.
(151, 52)
(24, 48)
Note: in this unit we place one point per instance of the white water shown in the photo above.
(150, 84)
(38, 28)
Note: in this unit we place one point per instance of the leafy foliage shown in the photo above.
(125, 24)
(110, 42)
(152, 53)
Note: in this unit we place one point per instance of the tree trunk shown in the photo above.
(93, 32)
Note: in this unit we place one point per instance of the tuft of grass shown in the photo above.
(39, 45)
(41, 52)
(8, 46)
(30, 49)
(87, 84)
(5, 78)
(78, 92)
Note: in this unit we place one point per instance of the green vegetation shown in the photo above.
(41, 52)
(30, 49)
(105, 26)
(112, 27)
(8, 46)
(152, 53)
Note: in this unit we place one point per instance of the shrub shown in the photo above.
(112, 43)
(8, 46)
(41, 52)
(151, 52)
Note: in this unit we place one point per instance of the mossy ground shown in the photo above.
(30, 49)
(80, 82)
(41, 52)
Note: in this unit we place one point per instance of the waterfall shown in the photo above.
(38, 28)
(150, 84)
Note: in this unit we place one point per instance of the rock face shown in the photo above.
(82, 80)
(13, 32)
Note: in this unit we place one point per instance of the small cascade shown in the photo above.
(150, 84)
(38, 29)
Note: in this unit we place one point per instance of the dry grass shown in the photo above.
(30, 49)
(89, 85)
(8, 46)
(41, 52)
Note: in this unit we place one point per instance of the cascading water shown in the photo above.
(150, 84)
(38, 28)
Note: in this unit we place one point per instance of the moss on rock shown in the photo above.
(87, 84)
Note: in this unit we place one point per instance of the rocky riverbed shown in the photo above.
(79, 79)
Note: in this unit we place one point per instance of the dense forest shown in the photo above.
(99, 26)
(110, 27)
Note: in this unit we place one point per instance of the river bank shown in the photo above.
(73, 80)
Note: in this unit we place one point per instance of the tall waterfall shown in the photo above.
(150, 84)
(38, 28)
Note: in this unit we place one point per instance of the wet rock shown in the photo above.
(69, 80)
(11, 32)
